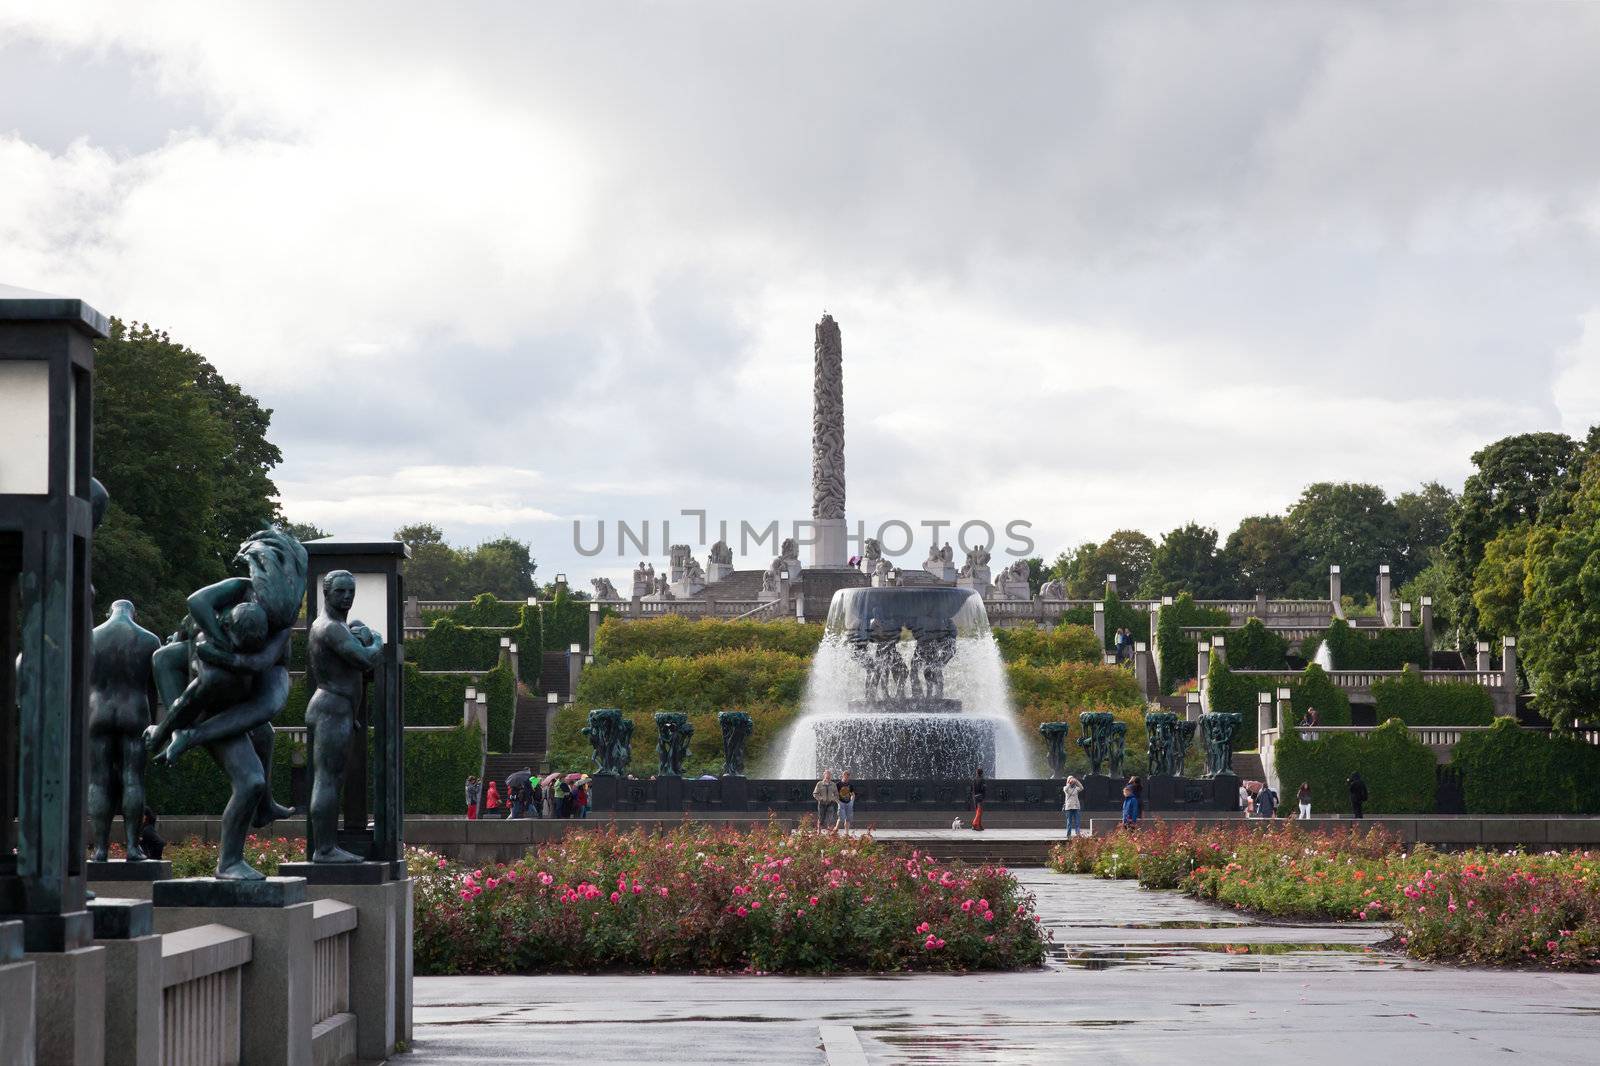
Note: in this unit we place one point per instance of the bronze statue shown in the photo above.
(341, 655)
(121, 695)
(231, 716)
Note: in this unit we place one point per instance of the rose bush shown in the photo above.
(1476, 907)
(721, 898)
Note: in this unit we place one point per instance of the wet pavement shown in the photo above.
(1132, 976)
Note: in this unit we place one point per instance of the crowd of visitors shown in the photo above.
(556, 795)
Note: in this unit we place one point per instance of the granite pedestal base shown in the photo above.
(121, 879)
(16, 998)
(277, 988)
(70, 1006)
(125, 928)
(341, 873)
(383, 916)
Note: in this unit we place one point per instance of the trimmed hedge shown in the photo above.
(448, 645)
(570, 750)
(1118, 616)
(674, 635)
(437, 765)
(483, 611)
(1510, 770)
(1253, 646)
(1418, 702)
(1060, 691)
(1385, 649)
(1177, 651)
(1400, 772)
(564, 622)
(1313, 688)
(715, 682)
(1067, 643)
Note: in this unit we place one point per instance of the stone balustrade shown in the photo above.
(1294, 633)
(333, 1026)
(201, 975)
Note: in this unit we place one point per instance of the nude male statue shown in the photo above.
(341, 654)
(122, 693)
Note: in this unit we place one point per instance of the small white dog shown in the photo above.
(956, 824)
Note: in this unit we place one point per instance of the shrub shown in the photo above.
(1511, 770)
(1472, 907)
(1240, 695)
(448, 645)
(1031, 646)
(1177, 652)
(674, 635)
(704, 898)
(1384, 649)
(1253, 646)
(1418, 702)
(437, 764)
(484, 611)
(1067, 688)
(569, 749)
(1118, 616)
(1400, 772)
(564, 621)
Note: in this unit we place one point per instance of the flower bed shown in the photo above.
(705, 898)
(1473, 907)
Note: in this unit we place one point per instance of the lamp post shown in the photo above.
(46, 611)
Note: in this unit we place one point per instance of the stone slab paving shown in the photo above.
(1134, 977)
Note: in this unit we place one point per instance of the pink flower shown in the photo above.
(988, 916)
(966, 904)
(615, 896)
(741, 910)
(544, 878)
(924, 927)
(984, 904)
(441, 864)
(663, 891)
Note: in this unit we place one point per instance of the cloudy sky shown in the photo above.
(503, 266)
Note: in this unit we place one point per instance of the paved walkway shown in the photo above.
(1134, 977)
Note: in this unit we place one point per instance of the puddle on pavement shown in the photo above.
(1226, 957)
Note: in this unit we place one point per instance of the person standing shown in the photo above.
(472, 797)
(1132, 798)
(847, 802)
(979, 790)
(491, 801)
(1266, 801)
(1303, 798)
(1072, 803)
(1358, 794)
(150, 841)
(826, 793)
(1244, 798)
(1311, 717)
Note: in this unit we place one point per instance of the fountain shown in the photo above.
(907, 684)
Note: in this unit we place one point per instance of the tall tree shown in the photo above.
(434, 571)
(1127, 553)
(186, 458)
(1514, 476)
(1425, 522)
(503, 567)
(1560, 615)
(1186, 561)
(1261, 555)
(1497, 584)
(1346, 524)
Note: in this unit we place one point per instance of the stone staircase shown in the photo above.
(553, 676)
(1247, 764)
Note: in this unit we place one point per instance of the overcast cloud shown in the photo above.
(502, 266)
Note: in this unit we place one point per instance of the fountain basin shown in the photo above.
(904, 746)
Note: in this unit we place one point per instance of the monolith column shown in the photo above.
(827, 449)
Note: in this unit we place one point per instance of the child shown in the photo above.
(214, 686)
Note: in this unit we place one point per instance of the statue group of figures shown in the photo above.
(1055, 741)
(721, 553)
(1054, 589)
(604, 589)
(1169, 740)
(673, 730)
(887, 674)
(1104, 740)
(1216, 733)
(221, 680)
(944, 557)
(977, 560)
(610, 735)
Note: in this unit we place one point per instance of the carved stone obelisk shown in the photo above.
(827, 449)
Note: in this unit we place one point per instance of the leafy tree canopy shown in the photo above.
(1126, 553)
(1560, 614)
(1261, 555)
(1346, 524)
(503, 567)
(1186, 561)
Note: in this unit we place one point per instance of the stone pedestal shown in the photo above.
(16, 998)
(125, 928)
(829, 551)
(378, 970)
(121, 879)
(278, 985)
(687, 589)
(342, 873)
(978, 581)
(717, 572)
(70, 999)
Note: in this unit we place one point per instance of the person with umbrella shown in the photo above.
(521, 793)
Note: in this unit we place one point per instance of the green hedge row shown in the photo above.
(1177, 651)
(484, 610)
(676, 636)
(1067, 643)
(467, 638)
(1418, 702)
(1386, 649)
(436, 765)
(1118, 616)
(1400, 772)
(1231, 693)
(1510, 770)
(1253, 646)
(448, 645)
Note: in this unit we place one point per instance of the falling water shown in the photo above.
(975, 676)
